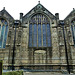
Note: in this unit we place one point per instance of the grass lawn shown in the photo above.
(13, 73)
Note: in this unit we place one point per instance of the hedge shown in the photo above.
(13, 73)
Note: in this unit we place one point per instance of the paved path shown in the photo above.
(44, 73)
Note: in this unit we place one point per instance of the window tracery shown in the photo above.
(39, 31)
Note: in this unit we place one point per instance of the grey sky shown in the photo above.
(14, 7)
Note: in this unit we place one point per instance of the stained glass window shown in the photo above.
(48, 35)
(3, 33)
(2, 36)
(39, 31)
(5, 36)
(44, 34)
(35, 36)
(39, 36)
(73, 33)
(30, 35)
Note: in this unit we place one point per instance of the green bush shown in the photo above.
(13, 73)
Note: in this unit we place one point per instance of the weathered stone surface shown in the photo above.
(49, 57)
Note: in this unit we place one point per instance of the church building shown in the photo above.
(39, 40)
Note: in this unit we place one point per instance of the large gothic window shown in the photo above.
(39, 31)
(3, 32)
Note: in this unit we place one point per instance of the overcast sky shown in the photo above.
(14, 7)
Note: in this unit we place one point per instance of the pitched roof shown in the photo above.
(70, 14)
(4, 11)
(37, 6)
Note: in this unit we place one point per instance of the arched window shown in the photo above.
(39, 31)
(3, 32)
(73, 32)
